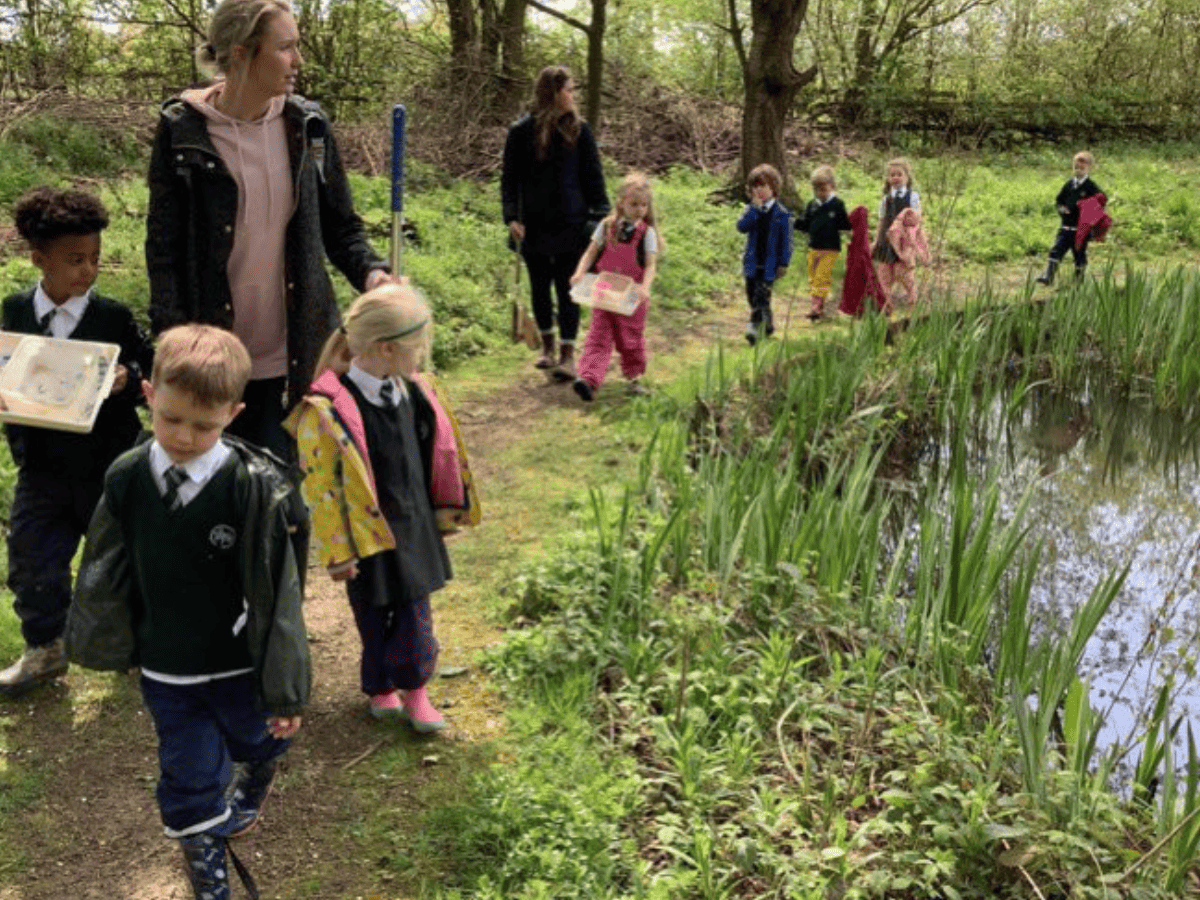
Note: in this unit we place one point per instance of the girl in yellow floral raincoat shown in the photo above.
(386, 474)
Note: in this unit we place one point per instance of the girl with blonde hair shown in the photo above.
(386, 474)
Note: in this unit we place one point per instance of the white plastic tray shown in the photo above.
(607, 290)
(54, 383)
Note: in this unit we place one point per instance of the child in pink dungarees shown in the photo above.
(627, 243)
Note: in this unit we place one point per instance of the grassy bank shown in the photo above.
(740, 660)
(764, 671)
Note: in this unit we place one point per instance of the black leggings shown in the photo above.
(544, 270)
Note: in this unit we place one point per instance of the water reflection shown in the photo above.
(1115, 482)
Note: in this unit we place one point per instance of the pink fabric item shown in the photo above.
(445, 473)
(609, 330)
(891, 274)
(256, 155)
(421, 713)
(1094, 221)
(860, 280)
(907, 238)
(329, 385)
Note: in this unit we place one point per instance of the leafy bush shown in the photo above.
(76, 147)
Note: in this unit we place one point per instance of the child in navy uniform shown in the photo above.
(1079, 187)
(189, 572)
(768, 252)
(60, 473)
(823, 220)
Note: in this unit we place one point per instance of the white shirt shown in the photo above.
(370, 385)
(66, 315)
(649, 239)
(914, 200)
(200, 470)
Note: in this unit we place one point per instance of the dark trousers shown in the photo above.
(758, 295)
(399, 650)
(260, 422)
(203, 729)
(546, 270)
(1066, 241)
(50, 514)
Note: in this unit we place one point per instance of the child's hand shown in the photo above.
(576, 278)
(1064, 210)
(643, 294)
(121, 379)
(344, 571)
(283, 727)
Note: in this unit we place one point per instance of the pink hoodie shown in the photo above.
(907, 238)
(256, 155)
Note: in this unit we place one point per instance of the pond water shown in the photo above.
(1114, 482)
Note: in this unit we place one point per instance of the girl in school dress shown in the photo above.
(386, 474)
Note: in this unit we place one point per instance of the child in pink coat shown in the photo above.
(626, 243)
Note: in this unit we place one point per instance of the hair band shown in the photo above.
(406, 332)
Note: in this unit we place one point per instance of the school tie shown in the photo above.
(44, 323)
(174, 476)
(387, 393)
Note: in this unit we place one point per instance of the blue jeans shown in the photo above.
(203, 729)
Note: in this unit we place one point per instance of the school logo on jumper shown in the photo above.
(223, 537)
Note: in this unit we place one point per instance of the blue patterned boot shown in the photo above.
(207, 867)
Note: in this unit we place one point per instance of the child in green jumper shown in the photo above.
(190, 572)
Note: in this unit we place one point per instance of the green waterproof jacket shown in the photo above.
(102, 621)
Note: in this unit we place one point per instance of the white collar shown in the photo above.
(832, 195)
(370, 385)
(199, 469)
(766, 206)
(899, 192)
(73, 309)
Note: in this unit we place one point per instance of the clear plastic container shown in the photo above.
(54, 383)
(607, 290)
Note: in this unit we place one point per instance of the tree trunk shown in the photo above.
(510, 86)
(595, 64)
(464, 36)
(771, 83)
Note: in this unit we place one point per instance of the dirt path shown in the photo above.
(77, 812)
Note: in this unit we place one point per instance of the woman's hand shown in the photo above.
(379, 277)
(344, 571)
(283, 727)
(517, 230)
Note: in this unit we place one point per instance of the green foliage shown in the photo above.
(79, 148)
(797, 660)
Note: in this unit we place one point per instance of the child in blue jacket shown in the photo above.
(767, 226)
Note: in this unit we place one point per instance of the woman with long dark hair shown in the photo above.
(552, 187)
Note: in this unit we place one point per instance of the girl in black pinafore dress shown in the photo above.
(365, 433)
(898, 195)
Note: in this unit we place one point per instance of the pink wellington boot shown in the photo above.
(420, 712)
(387, 706)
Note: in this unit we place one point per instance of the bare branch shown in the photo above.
(570, 20)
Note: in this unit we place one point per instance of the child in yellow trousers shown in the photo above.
(823, 220)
